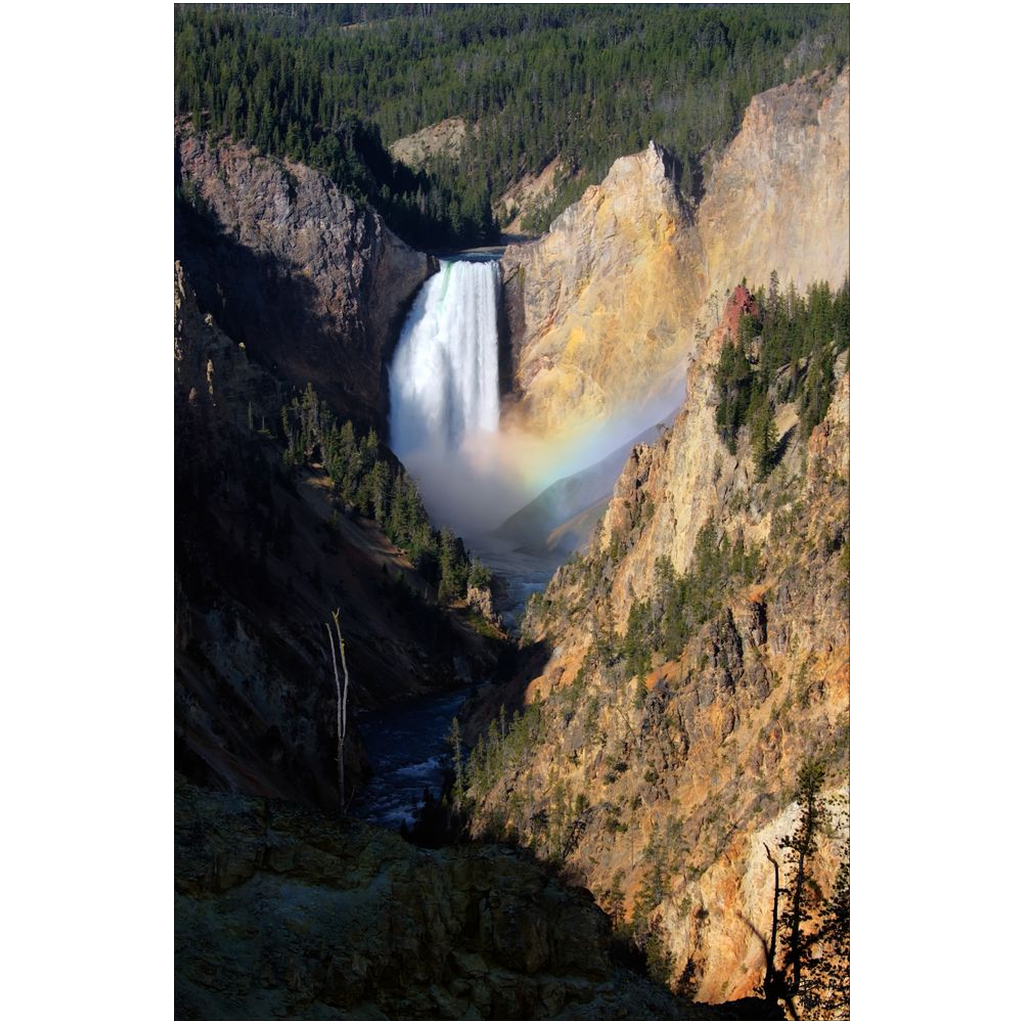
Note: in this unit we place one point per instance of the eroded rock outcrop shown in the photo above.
(779, 197)
(606, 309)
(312, 283)
(444, 139)
(281, 913)
(600, 308)
(659, 792)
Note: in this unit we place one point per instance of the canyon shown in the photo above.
(655, 790)
(685, 772)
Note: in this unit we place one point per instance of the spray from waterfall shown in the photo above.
(445, 409)
(444, 397)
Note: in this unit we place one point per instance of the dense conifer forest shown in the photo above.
(334, 84)
(366, 479)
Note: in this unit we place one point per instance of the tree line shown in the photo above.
(332, 85)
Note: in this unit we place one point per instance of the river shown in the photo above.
(407, 744)
(407, 747)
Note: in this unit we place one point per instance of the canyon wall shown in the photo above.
(261, 558)
(313, 284)
(605, 310)
(659, 792)
(600, 308)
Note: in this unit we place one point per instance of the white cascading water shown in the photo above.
(445, 409)
(444, 376)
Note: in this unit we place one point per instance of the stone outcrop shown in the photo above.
(444, 139)
(281, 913)
(779, 197)
(667, 786)
(527, 194)
(313, 284)
(600, 307)
(481, 600)
(606, 309)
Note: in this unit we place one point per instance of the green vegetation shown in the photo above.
(785, 352)
(764, 438)
(366, 479)
(679, 605)
(828, 974)
(479, 574)
(504, 746)
(332, 84)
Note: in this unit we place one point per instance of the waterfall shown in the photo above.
(445, 409)
(444, 376)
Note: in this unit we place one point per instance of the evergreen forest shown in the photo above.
(333, 85)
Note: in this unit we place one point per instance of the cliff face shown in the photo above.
(283, 914)
(312, 284)
(659, 792)
(600, 307)
(259, 564)
(779, 197)
(605, 310)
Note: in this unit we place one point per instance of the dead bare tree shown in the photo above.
(772, 988)
(342, 701)
(794, 916)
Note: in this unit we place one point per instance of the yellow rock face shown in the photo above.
(606, 308)
(604, 299)
(779, 199)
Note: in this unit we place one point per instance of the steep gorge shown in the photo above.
(262, 556)
(659, 792)
(282, 910)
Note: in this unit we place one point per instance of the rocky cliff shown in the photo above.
(261, 558)
(283, 914)
(779, 196)
(658, 790)
(312, 283)
(605, 310)
(600, 308)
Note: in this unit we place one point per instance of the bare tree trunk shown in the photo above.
(343, 724)
(770, 981)
(342, 705)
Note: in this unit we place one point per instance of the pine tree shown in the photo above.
(816, 980)
(764, 438)
(827, 982)
(801, 847)
(459, 787)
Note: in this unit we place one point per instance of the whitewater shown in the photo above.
(444, 377)
(473, 470)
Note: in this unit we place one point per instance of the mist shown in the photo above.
(474, 467)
